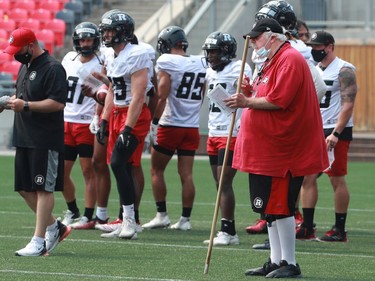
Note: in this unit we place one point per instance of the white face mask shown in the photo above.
(263, 52)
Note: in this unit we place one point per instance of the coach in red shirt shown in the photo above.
(280, 141)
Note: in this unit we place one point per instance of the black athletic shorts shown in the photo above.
(38, 169)
(274, 195)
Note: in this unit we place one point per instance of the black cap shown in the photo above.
(265, 25)
(321, 38)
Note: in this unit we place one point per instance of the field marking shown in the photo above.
(85, 275)
(176, 246)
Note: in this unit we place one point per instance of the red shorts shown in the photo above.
(274, 195)
(214, 144)
(76, 134)
(140, 131)
(184, 140)
(340, 165)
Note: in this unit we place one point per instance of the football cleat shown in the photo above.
(109, 227)
(334, 235)
(70, 217)
(183, 224)
(262, 246)
(263, 270)
(304, 233)
(285, 271)
(159, 221)
(259, 227)
(224, 239)
(128, 229)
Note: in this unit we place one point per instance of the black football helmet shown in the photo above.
(227, 46)
(281, 11)
(86, 30)
(171, 37)
(121, 23)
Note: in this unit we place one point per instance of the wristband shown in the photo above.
(155, 121)
(336, 134)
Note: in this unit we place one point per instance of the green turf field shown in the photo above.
(174, 255)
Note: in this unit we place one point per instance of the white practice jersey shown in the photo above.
(79, 108)
(330, 106)
(218, 121)
(185, 98)
(120, 69)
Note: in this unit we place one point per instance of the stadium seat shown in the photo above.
(48, 38)
(18, 15)
(4, 59)
(68, 17)
(8, 25)
(27, 5)
(87, 6)
(3, 44)
(51, 5)
(62, 3)
(42, 15)
(11, 67)
(4, 5)
(77, 8)
(31, 23)
(3, 35)
(58, 26)
(6, 83)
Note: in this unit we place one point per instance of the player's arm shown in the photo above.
(164, 86)
(153, 96)
(348, 92)
(138, 89)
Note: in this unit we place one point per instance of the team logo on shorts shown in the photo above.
(32, 75)
(39, 180)
(258, 202)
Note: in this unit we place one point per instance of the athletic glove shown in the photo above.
(124, 139)
(154, 131)
(102, 132)
(94, 125)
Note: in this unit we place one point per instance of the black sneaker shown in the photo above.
(262, 246)
(285, 271)
(334, 235)
(305, 233)
(262, 271)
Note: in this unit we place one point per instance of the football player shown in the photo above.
(220, 48)
(127, 75)
(78, 115)
(175, 124)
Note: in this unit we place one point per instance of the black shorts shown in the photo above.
(274, 195)
(38, 169)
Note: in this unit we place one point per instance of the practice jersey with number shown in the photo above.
(218, 121)
(79, 108)
(330, 106)
(185, 98)
(120, 69)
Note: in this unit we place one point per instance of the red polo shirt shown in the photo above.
(273, 142)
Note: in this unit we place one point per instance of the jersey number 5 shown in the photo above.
(191, 83)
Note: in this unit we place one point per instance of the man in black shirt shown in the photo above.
(38, 135)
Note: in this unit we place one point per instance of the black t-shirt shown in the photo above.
(45, 78)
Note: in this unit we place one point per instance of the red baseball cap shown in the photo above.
(18, 39)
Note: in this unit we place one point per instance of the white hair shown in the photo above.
(279, 36)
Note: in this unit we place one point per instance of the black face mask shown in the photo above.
(24, 58)
(318, 55)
